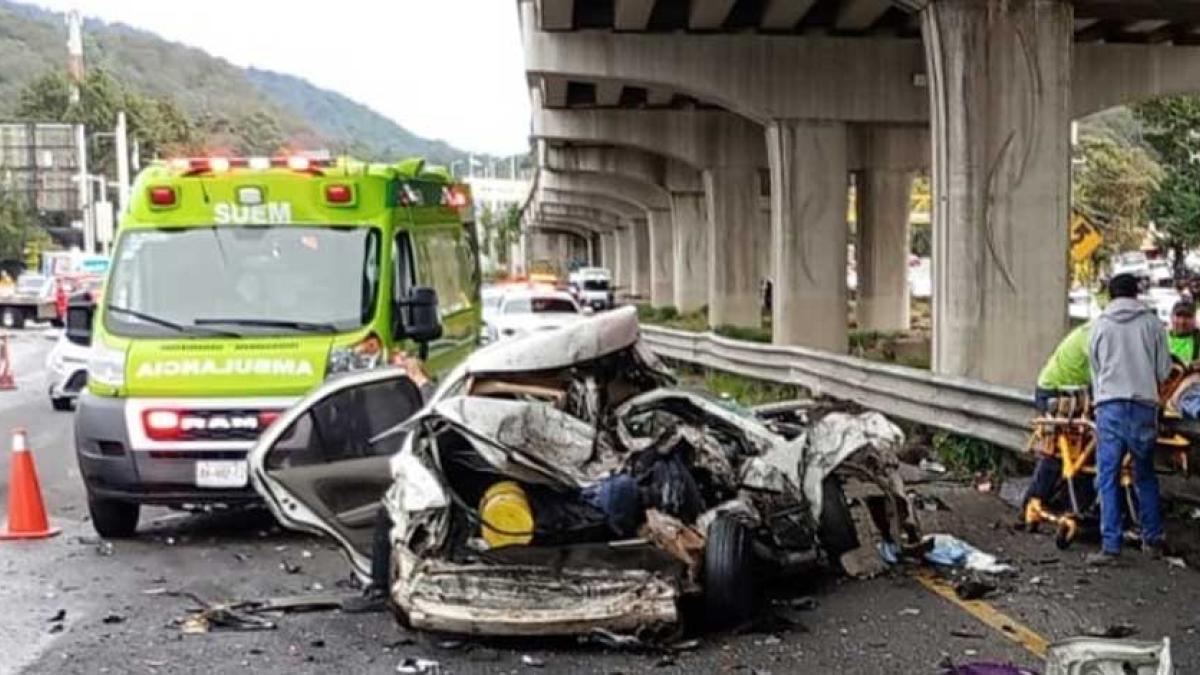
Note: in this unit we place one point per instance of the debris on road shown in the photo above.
(973, 589)
(1114, 631)
(415, 666)
(987, 669)
(1105, 656)
(532, 661)
(289, 567)
(60, 615)
(113, 618)
(949, 551)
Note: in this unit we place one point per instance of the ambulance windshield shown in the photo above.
(247, 280)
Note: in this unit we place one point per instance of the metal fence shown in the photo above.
(1000, 415)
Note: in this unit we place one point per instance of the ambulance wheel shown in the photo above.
(730, 591)
(113, 518)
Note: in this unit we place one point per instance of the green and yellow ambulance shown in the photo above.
(238, 285)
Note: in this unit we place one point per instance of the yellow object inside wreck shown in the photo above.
(507, 517)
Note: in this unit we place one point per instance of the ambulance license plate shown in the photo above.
(222, 473)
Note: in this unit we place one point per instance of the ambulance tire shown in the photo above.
(113, 518)
(730, 590)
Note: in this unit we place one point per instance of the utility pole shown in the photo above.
(122, 164)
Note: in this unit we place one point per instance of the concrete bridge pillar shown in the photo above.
(661, 243)
(883, 202)
(809, 185)
(733, 213)
(621, 269)
(1000, 100)
(690, 241)
(640, 258)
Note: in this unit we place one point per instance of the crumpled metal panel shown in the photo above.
(1100, 656)
(530, 601)
(586, 340)
(838, 436)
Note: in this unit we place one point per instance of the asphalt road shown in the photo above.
(120, 605)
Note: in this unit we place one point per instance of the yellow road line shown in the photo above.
(1005, 625)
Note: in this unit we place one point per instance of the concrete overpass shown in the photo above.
(766, 111)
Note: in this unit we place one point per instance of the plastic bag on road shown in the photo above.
(950, 551)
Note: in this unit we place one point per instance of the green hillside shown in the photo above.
(32, 42)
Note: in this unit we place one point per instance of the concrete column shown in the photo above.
(640, 258)
(605, 251)
(621, 257)
(809, 188)
(732, 195)
(662, 258)
(884, 199)
(691, 251)
(1000, 95)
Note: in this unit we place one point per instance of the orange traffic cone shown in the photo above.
(26, 510)
(6, 377)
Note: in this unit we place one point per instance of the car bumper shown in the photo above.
(67, 381)
(502, 600)
(117, 463)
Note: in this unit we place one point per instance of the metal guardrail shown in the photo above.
(1000, 415)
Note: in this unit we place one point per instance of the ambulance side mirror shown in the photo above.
(416, 317)
(80, 311)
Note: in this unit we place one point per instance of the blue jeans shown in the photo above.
(1133, 427)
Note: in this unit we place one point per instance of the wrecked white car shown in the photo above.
(558, 485)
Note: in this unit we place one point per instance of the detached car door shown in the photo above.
(317, 466)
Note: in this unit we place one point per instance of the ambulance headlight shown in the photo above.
(365, 355)
(107, 365)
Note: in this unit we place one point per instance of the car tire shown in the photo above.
(836, 530)
(60, 404)
(113, 518)
(11, 317)
(730, 589)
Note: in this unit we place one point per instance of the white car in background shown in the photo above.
(1163, 301)
(527, 311)
(66, 372)
(490, 296)
(592, 287)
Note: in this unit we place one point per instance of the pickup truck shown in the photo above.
(32, 299)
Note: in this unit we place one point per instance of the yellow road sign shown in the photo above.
(1085, 239)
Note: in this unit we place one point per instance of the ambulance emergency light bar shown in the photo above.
(222, 164)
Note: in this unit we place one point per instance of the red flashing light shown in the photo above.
(162, 195)
(161, 425)
(267, 417)
(339, 193)
(453, 198)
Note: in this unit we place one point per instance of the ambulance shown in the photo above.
(237, 286)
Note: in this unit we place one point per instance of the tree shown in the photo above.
(159, 125)
(17, 229)
(1172, 129)
(1113, 189)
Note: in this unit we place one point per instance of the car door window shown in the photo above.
(341, 426)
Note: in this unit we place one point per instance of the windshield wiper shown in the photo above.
(306, 326)
(165, 323)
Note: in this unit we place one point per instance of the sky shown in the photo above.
(448, 69)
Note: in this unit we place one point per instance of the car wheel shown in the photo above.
(11, 317)
(836, 530)
(730, 590)
(60, 404)
(113, 518)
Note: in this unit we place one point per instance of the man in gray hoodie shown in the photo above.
(1129, 358)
